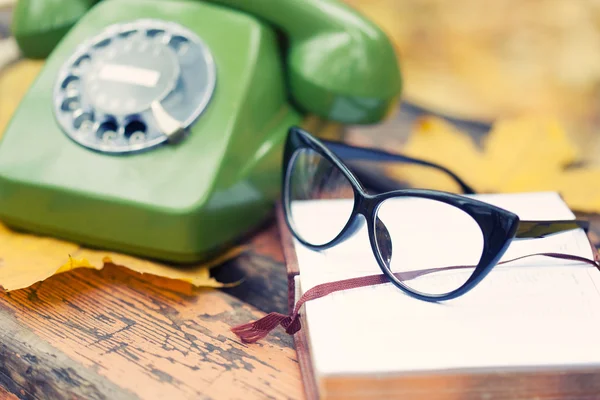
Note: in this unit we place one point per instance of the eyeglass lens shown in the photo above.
(313, 177)
(436, 246)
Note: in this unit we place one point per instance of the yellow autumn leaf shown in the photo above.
(26, 259)
(525, 149)
(436, 140)
(524, 154)
(198, 275)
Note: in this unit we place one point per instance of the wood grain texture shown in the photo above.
(4, 395)
(263, 271)
(115, 334)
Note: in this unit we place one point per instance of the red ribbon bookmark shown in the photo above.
(252, 332)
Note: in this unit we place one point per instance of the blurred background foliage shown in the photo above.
(487, 60)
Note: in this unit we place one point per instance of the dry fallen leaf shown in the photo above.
(518, 155)
(26, 259)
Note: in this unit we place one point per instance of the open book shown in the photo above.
(529, 330)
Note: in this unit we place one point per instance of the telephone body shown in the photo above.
(156, 127)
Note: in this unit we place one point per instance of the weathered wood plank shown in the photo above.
(32, 369)
(4, 395)
(117, 334)
(263, 271)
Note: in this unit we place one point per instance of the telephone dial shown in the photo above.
(156, 127)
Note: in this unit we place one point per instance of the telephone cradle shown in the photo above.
(157, 128)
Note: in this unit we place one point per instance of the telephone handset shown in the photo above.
(156, 128)
(340, 65)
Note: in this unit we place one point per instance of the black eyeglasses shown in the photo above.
(425, 266)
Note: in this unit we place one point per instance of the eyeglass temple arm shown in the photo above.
(349, 152)
(540, 229)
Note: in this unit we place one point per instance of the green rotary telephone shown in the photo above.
(156, 127)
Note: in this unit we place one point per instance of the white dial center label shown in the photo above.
(129, 74)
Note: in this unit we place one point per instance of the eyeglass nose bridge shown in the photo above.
(357, 224)
(379, 234)
(383, 242)
(362, 209)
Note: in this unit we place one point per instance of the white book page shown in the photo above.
(538, 312)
